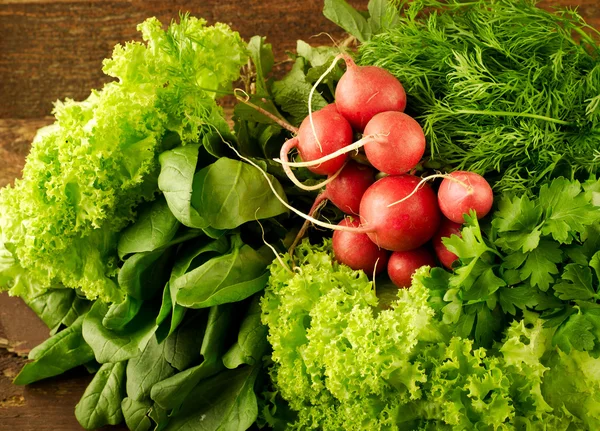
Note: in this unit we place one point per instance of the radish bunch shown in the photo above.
(395, 217)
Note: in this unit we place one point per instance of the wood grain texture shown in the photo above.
(54, 49)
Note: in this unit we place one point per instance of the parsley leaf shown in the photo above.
(522, 297)
(567, 209)
(576, 284)
(575, 333)
(540, 264)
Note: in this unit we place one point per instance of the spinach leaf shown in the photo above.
(192, 254)
(171, 393)
(65, 350)
(252, 342)
(144, 274)
(101, 401)
(229, 193)
(121, 314)
(175, 181)
(160, 417)
(291, 93)
(257, 135)
(344, 15)
(228, 278)
(181, 347)
(119, 344)
(155, 227)
(225, 401)
(79, 307)
(135, 413)
(147, 369)
(52, 306)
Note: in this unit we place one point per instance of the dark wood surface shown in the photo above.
(54, 49)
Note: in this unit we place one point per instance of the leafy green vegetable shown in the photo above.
(172, 392)
(155, 227)
(64, 351)
(175, 181)
(228, 278)
(119, 315)
(118, 344)
(252, 341)
(291, 93)
(343, 363)
(229, 193)
(101, 401)
(522, 260)
(147, 369)
(225, 401)
(135, 414)
(86, 174)
(344, 15)
(181, 347)
(505, 89)
(144, 274)
(57, 306)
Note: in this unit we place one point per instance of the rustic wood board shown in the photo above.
(54, 49)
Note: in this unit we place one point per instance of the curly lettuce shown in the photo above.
(341, 362)
(87, 172)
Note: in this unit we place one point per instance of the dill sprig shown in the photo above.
(501, 87)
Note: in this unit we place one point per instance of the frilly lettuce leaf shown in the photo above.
(341, 362)
(86, 174)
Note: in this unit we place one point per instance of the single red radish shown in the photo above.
(405, 225)
(348, 188)
(447, 229)
(331, 133)
(357, 251)
(364, 91)
(401, 143)
(403, 264)
(345, 191)
(462, 192)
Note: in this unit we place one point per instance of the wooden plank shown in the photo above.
(53, 50)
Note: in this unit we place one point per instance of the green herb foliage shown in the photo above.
(538, 253)
(501, 88)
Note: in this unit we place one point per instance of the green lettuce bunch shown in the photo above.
(88, 171)
(343, 362)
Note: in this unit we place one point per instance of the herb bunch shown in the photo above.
(535, 254)
(501, 87)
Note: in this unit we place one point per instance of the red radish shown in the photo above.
(447, 229)
(403, 264)
(364, 91)
(345, 191)
(357, 251)
(348, 188)
(406, 225)
(401, 144)
(333, 133)
(463, 192)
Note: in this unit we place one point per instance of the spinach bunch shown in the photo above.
(185, 345)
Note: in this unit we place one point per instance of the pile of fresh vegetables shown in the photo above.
(173, 256)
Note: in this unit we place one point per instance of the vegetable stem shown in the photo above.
(276, 119)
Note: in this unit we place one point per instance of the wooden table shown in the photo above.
(50, 50)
